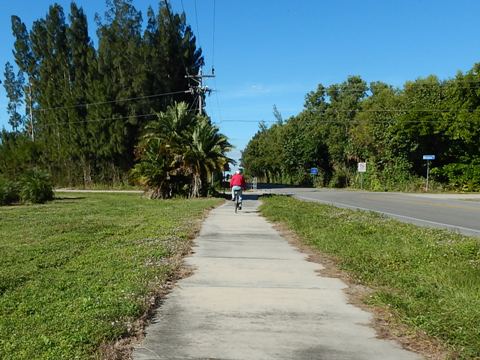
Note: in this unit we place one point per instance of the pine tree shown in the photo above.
(14, 88)
(26, 62)
(52, 91)
(180, 54)
(120, 80)
(82, 77)
(121, 71)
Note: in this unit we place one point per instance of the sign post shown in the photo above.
(362, 167)
(313, 172)
(428, 158)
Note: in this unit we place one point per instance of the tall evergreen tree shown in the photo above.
(26, 62)
(14, 88)
(121, 70)
(82, 78)
(178, 46)
(52, 90)
(122, 82)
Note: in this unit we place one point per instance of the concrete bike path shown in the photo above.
(254, 296)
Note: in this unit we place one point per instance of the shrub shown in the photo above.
(397, 175)
(465, 177)
(9, 192)
(319, 180)
(394, 175)
(340, 177)
(36, 187)
(370, 180)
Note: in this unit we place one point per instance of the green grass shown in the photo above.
(430, 279)
(75, 273)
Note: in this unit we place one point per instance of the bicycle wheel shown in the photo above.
(237, 201)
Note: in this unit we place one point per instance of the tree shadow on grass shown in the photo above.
(68, 198)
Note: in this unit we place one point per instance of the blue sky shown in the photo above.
(272, 52)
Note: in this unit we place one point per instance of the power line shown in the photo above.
(188, 91)
(196, 21)
(194, 105)
(331, 121)
(213, 61)
(327, 121)
(41, 125)
(108, 119)
(441, 86)
(402, 111)
(420, 83)
(213, 36)
(167, 4)
(112, 101)
(218, 102)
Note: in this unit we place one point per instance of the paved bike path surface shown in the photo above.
(254, 296)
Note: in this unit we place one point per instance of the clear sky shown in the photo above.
(272, 52)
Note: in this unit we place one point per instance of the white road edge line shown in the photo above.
(392, 214)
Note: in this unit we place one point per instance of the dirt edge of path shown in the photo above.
(384, 322)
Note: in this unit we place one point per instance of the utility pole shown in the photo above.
(199, 89)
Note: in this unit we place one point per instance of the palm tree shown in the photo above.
(160, 165)
(180, 149)
(153, 171)
(205, 155)
(173, 126)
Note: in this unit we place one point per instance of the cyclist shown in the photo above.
(237, 183)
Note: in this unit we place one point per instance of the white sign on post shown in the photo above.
(362, 167)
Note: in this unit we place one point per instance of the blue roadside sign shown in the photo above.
(428, 157)
(314, 171)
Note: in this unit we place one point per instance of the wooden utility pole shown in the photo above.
(200, 90)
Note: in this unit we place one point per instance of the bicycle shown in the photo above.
(238, 203)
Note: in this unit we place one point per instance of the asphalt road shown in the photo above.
(455, 212)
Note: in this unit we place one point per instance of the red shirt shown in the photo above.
(238, 180)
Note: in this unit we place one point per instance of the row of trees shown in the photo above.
(389, 128)
(78, 110)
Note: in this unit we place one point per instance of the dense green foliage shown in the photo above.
(388, 128)
(34, 187)
(77, 110)
(9, 192)
(77, 272)
(180, 153)
(427, 278)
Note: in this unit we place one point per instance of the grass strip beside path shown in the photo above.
(77, 272)
(430, 279)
